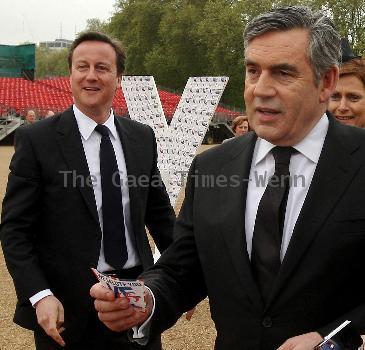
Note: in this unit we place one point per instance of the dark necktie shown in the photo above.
(115, 248)
(266, 241)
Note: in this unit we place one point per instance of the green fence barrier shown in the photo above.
(17, 61)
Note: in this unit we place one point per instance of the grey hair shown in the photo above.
(324, 49)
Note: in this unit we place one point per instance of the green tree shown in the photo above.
(349, 17)
(221, 32)
(136, 24)
(180, 52)
(97, 25)
(51, 63)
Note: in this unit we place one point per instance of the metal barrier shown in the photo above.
(9, 124)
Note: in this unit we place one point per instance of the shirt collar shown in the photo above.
(86, 125)
(310, 146)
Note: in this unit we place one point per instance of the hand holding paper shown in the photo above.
(133, 290)
(119, 310)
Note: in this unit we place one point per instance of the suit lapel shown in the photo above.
(334, 172)
(69, 140)
(232, 201)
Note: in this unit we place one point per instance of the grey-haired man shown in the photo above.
(282, 263)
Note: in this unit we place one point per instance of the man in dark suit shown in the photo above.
(281, 260)
(81, 184)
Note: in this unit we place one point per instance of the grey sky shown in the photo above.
(41, 20)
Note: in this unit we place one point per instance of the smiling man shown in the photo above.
(68, 206)
(280, 260)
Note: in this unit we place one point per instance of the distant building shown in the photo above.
(58, 44)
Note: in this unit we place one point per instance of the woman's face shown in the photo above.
(347, 103)
(241, 129)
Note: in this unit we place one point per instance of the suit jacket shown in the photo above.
(50, 229)
(321, 280)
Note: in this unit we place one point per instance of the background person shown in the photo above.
(282, 265)
(240, 125)
(81, 184)
(347, 102)
(30, 117)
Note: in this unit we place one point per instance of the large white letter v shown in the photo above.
(176, 144)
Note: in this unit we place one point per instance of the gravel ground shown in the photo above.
(198, 334)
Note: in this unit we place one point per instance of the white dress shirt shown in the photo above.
(91, 143)
(302, 167)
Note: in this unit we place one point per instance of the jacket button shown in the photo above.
(267, 322)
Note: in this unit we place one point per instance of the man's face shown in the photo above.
(30, 117)
(282, 100)
(94, 78)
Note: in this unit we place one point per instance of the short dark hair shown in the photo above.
(97, 36)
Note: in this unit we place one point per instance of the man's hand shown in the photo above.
(302, 342)
(116, 312)
(50, 316)
(190, 314)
